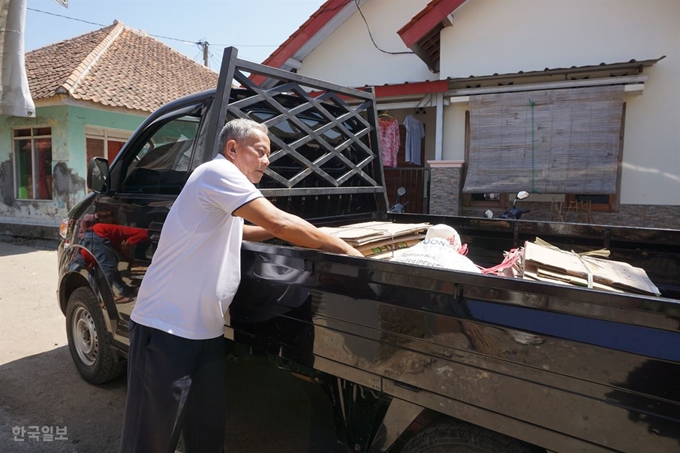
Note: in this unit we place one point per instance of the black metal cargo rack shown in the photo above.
(324, 136)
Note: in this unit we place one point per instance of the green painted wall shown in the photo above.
(79, 117)
(55, 117)
(69, 160)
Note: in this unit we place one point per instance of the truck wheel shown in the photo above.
(88, 339)
(460, 437)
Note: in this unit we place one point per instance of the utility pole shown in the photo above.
(202, 44)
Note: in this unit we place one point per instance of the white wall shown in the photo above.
(348, 56)
(454, 132)
(500, 36)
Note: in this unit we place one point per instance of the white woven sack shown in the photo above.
(439, 249)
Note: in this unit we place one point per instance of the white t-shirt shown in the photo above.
(196, 268)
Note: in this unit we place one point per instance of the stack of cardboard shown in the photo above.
(377, 238)
(545, 262)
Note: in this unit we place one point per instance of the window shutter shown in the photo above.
(552, 141)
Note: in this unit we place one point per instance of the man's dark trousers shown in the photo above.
(174, 385)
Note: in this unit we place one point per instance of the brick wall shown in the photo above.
(650, 216)
(445, 190)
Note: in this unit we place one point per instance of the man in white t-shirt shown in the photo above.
(176, 361)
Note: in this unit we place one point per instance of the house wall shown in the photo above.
(496, 36)
(79, 117)
(349, 57)
(69, 166)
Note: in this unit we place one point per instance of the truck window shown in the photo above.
(161, 163)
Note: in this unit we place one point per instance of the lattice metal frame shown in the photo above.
(336, 104)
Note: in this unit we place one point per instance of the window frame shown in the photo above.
(610, 206)
(34, 180)
(105, 134)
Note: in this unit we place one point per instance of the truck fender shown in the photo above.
(79, 274)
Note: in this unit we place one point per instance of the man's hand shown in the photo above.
(353, 252)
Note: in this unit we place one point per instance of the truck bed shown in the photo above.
(582, 369)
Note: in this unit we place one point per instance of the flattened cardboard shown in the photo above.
(386, 245)
(545, 261)
(368, 232)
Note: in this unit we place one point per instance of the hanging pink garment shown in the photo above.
(389, 141)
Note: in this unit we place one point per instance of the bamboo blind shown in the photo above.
(553, 141)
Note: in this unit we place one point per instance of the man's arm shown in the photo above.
(255, 233)
(291, 228)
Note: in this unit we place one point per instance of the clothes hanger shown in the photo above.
(384, 114)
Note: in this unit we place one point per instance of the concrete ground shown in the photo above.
(269, 410)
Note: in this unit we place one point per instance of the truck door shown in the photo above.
(152, 172)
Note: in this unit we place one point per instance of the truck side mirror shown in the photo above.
(98, 175)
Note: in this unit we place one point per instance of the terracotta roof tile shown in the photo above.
(50, 67)
(129, 69)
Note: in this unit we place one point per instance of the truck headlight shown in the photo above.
(65, 230)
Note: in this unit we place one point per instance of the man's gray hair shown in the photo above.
(239, 130)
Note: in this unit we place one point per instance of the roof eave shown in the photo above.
(318, 27)
(422, 23)
(604, 70)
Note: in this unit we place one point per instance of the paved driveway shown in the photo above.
(40, 390)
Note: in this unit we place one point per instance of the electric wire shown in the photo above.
(213, 58)
(356, 2)
(203, 42)
(244, 45)
(186, 41)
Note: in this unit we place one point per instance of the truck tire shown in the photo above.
(460, 437)
(88, 339)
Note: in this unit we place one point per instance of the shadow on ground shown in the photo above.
(34, 244)
(269, 410)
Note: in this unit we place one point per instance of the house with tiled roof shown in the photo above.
(90, 92)
(575, 102)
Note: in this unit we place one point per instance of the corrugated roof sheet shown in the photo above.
(630, 67)
(116, 66)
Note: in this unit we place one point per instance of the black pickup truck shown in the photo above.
(413, 359)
